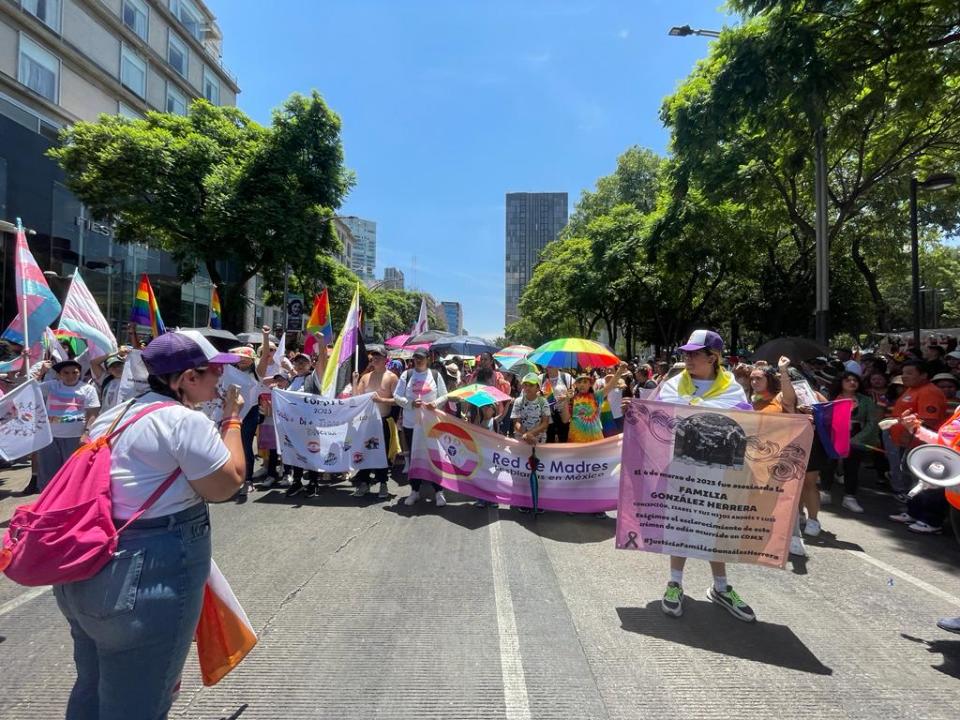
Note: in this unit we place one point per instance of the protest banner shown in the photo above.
(248, 385)
(482, 464)
(328, 435)
(24, 427)
(711, 484)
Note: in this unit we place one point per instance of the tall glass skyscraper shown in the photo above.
(533, 220)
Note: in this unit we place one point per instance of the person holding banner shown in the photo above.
(417, 387)
(133, 622)
(382, 382)
(704, 383)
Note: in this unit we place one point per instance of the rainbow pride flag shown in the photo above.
(320, 322)
(216, 315)
(832, 420)
(145, 310)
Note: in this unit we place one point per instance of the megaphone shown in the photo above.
(935, 465)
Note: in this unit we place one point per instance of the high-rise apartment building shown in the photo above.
(532, 221)
(344, 257)
(392, 279)
(453, 312)
(67, 60)
(364, 259)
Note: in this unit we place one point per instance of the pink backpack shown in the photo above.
(68, 534)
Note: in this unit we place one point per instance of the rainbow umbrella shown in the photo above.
(520, 367)
(74, 340)
(479, 395)
(571, 352)
(511, 354)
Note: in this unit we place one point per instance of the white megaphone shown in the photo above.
(935, 465)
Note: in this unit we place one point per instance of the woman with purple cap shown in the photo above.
(704, 383)
(133, 622)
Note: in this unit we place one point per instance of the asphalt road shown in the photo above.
(368, 609)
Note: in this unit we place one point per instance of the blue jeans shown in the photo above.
(900, 482)
(248, 433)
(133, 622)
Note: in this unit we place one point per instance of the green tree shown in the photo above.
(216, 189)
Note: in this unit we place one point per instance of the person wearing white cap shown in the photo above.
(704, 383)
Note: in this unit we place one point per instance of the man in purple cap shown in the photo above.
(704, 382)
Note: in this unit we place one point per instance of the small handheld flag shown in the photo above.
(145, 310)
(216, 317)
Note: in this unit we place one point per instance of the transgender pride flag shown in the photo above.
(34, 294)
(82, 315)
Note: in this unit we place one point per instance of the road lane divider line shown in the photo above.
(516, 701)
(915, 581)
(23, 599)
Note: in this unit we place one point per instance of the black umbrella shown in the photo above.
(430, 336)
(797, 349)
(254, 338)
(463, 345)
(222, 340)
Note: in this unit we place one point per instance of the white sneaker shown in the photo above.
(921, 527)
(797, 547)
(412, 498)
(286, 481)
(825, 497)
(439, 499)
(850, 503)
(268, 482)
(262, 472)
(813, 527)
(903, 517)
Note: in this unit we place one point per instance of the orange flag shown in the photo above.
(224, 634)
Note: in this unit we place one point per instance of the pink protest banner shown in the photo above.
(482, 464)
(711, 484)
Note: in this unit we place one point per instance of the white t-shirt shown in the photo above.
(67, 406)
(414, 385)
(146, 453)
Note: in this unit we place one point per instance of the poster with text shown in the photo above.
(711, 484)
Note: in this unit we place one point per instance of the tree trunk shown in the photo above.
(880, 304)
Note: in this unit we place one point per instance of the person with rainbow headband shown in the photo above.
(704, 382)
(934, 501)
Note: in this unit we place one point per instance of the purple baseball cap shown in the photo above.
(182, 350)
(703, 339)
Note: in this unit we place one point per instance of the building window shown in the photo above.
(177, 54)
(211, 87)
(39, 69)
(46, 11)
(188, 15)
(133, 71)
(176, 102)
(135, 14)
(128, 112)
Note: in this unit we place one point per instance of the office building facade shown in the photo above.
(393, 279)
(532, 221)
(363, 262)
(453, 312)
(62, 61)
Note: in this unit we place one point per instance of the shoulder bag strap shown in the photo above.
(163, 487)
(110, 435)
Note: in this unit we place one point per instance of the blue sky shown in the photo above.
(449, 104)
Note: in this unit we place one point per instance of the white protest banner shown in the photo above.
(24, 427)
(483, 464)
(248, 390)
(133, 382)
(328, 435)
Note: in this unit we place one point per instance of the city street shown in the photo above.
(368, 609)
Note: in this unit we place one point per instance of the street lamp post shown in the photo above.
(938, 181)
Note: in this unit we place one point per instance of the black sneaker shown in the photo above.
(295, 489)
(242, 497)
(31, 488)
(672, 602)
(313, 490)
(731, 602)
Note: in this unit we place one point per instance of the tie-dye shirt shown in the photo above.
(67, 406)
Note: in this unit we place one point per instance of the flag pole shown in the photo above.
(23, 293)
(356, 347)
